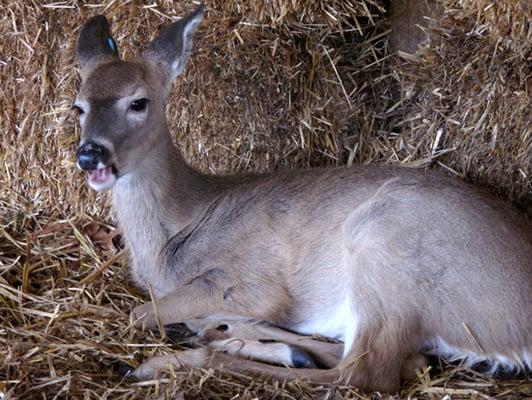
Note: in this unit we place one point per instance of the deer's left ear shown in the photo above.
(95, 42)
(172, 47)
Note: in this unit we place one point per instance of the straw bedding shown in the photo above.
(277, 84)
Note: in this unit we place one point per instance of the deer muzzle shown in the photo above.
(90, 155)
(95, 159)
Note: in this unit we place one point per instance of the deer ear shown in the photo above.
(172, 47)
(95, 42)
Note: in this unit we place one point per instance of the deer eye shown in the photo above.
(78, 109)
(139, 105)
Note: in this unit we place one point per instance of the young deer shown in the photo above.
(394, 262)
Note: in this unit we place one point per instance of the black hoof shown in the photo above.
(179, 332)
(124, 370)
(301, 359)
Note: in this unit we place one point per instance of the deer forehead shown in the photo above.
(116, 80)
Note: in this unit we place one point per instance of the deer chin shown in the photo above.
(103, 178)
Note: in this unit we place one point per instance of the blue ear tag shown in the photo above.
(112, 45)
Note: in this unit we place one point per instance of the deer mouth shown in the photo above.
(102, 178)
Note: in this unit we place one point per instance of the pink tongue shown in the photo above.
(100, 175)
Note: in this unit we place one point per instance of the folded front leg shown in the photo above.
(215, 291)
(185, 302)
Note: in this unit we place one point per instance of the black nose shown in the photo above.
(90, 154)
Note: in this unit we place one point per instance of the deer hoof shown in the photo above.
(180, 333)
(124, 370)
(301, 359)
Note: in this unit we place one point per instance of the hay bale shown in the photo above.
(271, 84)
(466, 104)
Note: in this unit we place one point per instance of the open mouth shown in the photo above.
(103, 178)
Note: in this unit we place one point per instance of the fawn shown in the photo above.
(395, 263)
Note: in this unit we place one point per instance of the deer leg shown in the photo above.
(186, 302)
(213, 292)
(379, 357)
(258, 340)
(364, 371)
(413, 363)
(262, 341)
(208, 358)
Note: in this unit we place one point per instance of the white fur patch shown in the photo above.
(497, 362)
(340, 323)
(351, 326)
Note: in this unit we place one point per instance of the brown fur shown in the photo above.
(402, 257)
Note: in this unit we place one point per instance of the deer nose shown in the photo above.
(90, 154)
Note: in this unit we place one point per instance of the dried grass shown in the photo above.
(272, 84)
(466, 97)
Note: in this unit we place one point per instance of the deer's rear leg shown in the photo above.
(382, 355)
(389, 330)
(224, 353)
(257, 340)
(207, 358)
(376, 361)
(327, 354)
(237, 343)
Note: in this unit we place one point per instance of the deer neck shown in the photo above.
(160, 198)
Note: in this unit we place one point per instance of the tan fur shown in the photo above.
(403, 258)
(257, 340)
(247, 331)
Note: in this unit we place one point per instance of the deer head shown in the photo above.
(121, 104)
